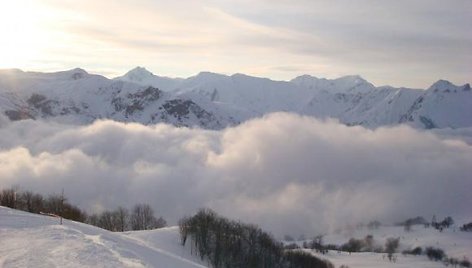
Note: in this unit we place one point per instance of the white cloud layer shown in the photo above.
(288, 173)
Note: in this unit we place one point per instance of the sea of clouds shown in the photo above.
(288, 173)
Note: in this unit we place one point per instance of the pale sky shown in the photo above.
(409, 43)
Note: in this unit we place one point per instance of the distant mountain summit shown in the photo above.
(142, 76)
(442, 105)
(138, 74)
(214, 101)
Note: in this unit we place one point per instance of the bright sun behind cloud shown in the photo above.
(275, 39)
(23, 34)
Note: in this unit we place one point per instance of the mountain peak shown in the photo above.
(354, 79)
(341, 84)
(306, 80)
(78, 70)
(206, 76)
(304, 77)
(74, 74)
(139, 69)
(446, 86)
(442, 83)
(74, 71)
(138, 74)
(12, 71)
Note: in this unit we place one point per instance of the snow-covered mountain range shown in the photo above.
(214, 101)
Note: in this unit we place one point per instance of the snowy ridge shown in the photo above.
(427, 110)
(215, 101)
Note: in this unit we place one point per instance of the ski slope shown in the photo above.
(30, 240)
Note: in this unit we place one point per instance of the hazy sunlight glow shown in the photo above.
(24, 35)
(385, 43)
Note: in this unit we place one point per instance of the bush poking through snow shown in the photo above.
(465, 263)
(466, 227)
(435, 254)
(354, 245)
(391, 246)
(415, 251)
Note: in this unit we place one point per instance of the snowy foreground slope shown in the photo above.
(215, 101)
(30, 240)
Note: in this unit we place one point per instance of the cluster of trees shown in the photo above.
(466, 227)
(373, 225)
(437, 254)
(391, 246)
(141, 217)
(361, 245)
(353, 245)
(416, 251)
(446, 223)
(121, 219)
(318, 245)
(227, 243)
(407, 224)
(366, 244)
(37, 203)
(296, 259)
(439, 225)
(315, 244)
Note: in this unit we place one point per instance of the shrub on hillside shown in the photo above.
(391, 246)
(415, 251)
(435, 254)
(291, 246)
(466, 227)
(353, 245)
(465, 263)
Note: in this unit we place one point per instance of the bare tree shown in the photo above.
(8, 198)
(161, 223)
(37, 203)
(27, 201)
(391, 246)
(107, 221)
(93, 219)
(54, 204)
(121, 219)
(142, 217)
(407, 225)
